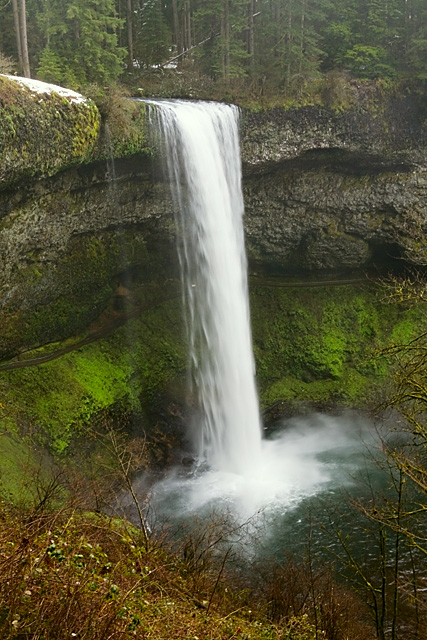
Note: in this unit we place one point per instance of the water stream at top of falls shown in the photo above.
(203, 160)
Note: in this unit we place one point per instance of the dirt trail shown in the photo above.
(112, 324)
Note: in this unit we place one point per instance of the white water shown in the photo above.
(203, 158)
(310, 456)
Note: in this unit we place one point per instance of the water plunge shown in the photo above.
(244, 472)
(203, 159)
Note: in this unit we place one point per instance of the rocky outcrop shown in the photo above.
(325, 190)
(369, 129)
(336, 189)
(43, 129)
(326, 219)
(67, 244)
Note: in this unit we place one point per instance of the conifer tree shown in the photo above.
(152, 35)
(81, 36)
(416, 39)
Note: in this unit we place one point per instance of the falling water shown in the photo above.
(203, 159)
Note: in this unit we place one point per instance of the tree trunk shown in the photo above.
(276, 16)
(251, 35)
(129, 20)
(302, 42)
(24, 40)
(226, 45)
(289, 47)
(176, 28)
(190, 41)
(186, 26)
(17, 33)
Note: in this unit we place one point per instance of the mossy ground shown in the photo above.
(53, 403)
(18, 469)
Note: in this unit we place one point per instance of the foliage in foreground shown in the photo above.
(65, 574)
(87, 576)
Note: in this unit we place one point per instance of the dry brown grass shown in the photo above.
(67, 575)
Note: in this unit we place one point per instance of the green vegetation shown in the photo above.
(59, 399)
(322, 345)
(42, 134)
(63, 132)
(111, 579)
(19, 467)
(252, 48)
(80, 44)
(83, 285)
(124, 122)
(392, 512)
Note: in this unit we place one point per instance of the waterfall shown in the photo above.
(201, 147)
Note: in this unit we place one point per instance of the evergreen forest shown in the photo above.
(264, 47)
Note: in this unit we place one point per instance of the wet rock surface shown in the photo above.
(324, 191)
(323, 220)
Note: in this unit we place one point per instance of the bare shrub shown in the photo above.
(293, 590)
(7, 64)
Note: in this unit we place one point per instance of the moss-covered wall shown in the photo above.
(44, 409)
(67, 299)
(65, 243)
(315, 345)
(59, 398)
(322, 344)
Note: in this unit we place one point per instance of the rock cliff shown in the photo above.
(336, 189)
(325, 190)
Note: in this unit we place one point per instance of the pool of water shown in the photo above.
(308, 470)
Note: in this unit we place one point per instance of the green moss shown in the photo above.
(67, 300)
(60, 398)
(42, 133)
(19, 467)
(405, 331)
(351, 389)
(124, 130)
(322, 344)
(127, 132)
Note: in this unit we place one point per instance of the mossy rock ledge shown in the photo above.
(46, 128)
(43, 129)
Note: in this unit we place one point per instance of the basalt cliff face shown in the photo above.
(325, 191)
(328, 190)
